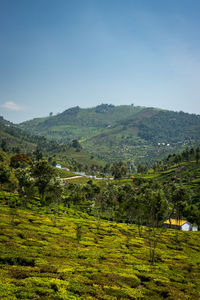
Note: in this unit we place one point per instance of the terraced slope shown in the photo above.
(41, 261)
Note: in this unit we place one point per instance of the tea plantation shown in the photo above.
(86, 258)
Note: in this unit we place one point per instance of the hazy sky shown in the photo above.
(55, 54)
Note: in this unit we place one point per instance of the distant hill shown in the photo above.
(18, 140)
(77, 123)
(127, 132)
(5, 122)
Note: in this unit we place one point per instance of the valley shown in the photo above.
(101, 235)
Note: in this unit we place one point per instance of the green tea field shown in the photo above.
(87, 258)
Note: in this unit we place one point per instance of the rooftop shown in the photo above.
(175, 222)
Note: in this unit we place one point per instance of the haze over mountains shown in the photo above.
(120, 132)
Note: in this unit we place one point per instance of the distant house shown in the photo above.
(58, 166)
(179, 224)
(66, 169)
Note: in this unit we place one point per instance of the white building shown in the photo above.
(180, 224)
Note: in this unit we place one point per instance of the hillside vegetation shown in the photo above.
(100, 261)
(123, 132)
(98, 239)
(15, 140)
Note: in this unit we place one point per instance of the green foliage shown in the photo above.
(4, 173)
(38, 154)
(76, 144)
(79, 232)
(169, 126)
(4, 145)
(39, 260)
(25, 185)
(20, 160)
(115, 133)
(119, 170)
(43, 173)
(38, 147)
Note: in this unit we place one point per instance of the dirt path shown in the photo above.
(74, 177)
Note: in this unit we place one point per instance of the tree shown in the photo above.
(55, 188)
(4, 174)
(4, 146)
(20, 160)
(90, 189)
(180, 194)
(16, 149)
(25, 185)
(141, 168)
(79, 233)
(38, 154)
(186, 154)
(156, 209)
(197, 155)
(42, 173)
(108, 200)
(2, 157)
(135, 211)
(106, 168)
(119, 169)
(76, 145)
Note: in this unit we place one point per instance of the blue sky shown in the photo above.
(56, 54)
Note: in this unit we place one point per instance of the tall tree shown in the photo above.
(25, 185)
(4, 145)
(20, 160)
(156, 209)
(197, 155)
(119, 169)
(42, 173)
(4, 174)
(55, 188)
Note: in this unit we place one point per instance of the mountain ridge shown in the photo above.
(124, 132)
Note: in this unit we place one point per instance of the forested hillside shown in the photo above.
(171, 127)
(79, 123)
(15, 140)
(129, 133)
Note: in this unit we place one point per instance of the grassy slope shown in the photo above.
(41, 261)
(186, 172)
(79, 119)
(101, 130)
(83, 124)
(123, 132)
(15, 137)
